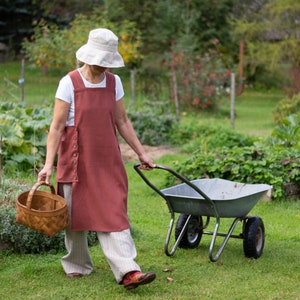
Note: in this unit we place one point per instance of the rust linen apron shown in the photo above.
(89, 157)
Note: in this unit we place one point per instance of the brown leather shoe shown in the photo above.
(133, 279)
(74, 275)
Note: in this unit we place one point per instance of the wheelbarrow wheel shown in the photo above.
(193, 233)
(254, 237)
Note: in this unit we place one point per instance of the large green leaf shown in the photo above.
(11, 132)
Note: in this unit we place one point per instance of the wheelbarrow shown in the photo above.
(211, 198)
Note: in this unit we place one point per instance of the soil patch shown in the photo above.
(154, 152)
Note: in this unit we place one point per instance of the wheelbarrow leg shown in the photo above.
(214, 236)
(170, 230)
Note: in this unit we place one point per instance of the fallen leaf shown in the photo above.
(168, 270)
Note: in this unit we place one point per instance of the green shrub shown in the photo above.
(286, 107)
(200, 78)
(153, 125)
(22, 239)
(287, 133)
(205, 137)
(276, 166)
(222, 153)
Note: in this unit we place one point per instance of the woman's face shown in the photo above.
(97, 70)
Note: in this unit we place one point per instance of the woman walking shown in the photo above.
(89, 107)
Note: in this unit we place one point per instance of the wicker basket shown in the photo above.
(42, 211)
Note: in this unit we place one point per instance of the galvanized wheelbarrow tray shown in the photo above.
(217, 198)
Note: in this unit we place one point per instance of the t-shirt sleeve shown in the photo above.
(65, 89)
(119, 88)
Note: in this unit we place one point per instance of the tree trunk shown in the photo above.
(241, 68)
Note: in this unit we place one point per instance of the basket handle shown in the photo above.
(33, 190)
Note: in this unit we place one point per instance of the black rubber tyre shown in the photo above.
(254, 237)
(193, 234)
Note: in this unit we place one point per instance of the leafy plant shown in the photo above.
(23, 132)
(153, 125)
(287, 133)
(286, 107)
(276, 166)
(193, 137)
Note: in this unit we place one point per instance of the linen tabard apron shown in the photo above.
(89, 157)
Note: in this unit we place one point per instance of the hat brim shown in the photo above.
(92, 56)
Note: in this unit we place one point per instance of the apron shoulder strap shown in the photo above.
(76, 79)
(110, 81)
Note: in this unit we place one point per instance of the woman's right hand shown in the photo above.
(45, 174)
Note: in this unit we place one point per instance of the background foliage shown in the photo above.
(271, 33)
(287, 106)
(51, 47)
(201, 80)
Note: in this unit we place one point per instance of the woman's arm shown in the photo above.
(60, 115)
(126, 130)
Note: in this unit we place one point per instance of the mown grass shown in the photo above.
(253, 113)
(189, 274)
(39, 89)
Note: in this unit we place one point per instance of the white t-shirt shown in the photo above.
(65, 92)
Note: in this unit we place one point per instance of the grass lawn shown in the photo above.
(254, 112)
(38, 89)
(189, 274)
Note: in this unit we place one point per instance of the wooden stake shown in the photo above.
(232, 100)
(21, 82)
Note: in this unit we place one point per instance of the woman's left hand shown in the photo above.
(146, 162)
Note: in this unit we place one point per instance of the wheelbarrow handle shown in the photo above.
(139, 171)
(174, 173)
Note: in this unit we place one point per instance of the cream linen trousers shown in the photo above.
(118, 247)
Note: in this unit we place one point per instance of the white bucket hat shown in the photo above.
(101, 50)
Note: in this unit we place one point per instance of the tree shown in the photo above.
(51, 47)
(200, 78)
(129, 47)
(16, 17)
(160, 22)
(272, 37)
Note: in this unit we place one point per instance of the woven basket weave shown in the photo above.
(42, 211)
